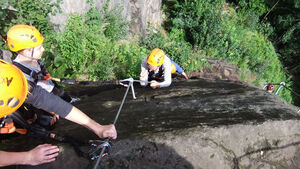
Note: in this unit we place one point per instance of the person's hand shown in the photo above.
(144, 77)
(108, 131)
(30, 121)
(47, 77)
(143, 73)
(41, 154)
(54, 119)
(154, 84)
(185, 75)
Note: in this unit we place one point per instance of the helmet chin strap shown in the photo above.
(32, 53)
(30, 57)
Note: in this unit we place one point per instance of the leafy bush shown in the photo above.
(201, 22)
(220, 32)
(91, 46)
(31, 12)
(175, 47)
(245, 7)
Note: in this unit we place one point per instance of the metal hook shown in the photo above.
(280, 86)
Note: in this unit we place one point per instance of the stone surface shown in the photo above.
(218, 69)
(140, 13)
(197, 123)
(6, 55)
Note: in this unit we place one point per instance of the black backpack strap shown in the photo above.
(1, 55)
(18, 118)
(43, 68)
(161, 71)
(35, 75)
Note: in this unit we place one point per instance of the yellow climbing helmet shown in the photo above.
(23, 36)
(13, 88)
(156, 57)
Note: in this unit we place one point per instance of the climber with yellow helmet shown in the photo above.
(13, 92)
(27, 42)
(158, 69)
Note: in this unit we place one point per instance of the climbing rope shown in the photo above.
(105, 145)
(282, 84)
(261, 151)
(297, 94)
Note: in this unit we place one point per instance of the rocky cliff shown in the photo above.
(196, 123)
(139, 13)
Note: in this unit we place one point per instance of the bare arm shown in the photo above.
(44, 153)
(102, 131)
(40, 98)
(12, 158)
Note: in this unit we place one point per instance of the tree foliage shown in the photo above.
(282, 18)
(31, 12)
(230, 32)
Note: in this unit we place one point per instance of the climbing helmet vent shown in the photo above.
(13, 102)
(13, 88)
(20, 37)
(156, 57)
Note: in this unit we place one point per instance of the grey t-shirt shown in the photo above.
(49, 102)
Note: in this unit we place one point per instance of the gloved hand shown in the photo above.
(67, 81)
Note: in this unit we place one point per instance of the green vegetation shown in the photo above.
(94, 45)
(32, 12)
(282, 20)
(220, 32)
(91, 45)
(176, 48)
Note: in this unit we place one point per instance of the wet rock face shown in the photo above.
(198, 123)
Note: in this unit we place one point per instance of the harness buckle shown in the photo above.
(7, 126)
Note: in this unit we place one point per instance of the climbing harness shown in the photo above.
(37, 131)
(96, 148)
(7, 126)
(105, 145)
(41, 75)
